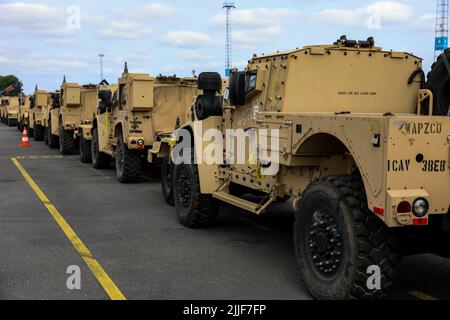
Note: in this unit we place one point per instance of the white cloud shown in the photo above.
(249, 38)
(60, 42)
(137, 61)
(256, 18)
(34, 18)
(186, 39)
(130, 24)
(193, 55)
(45, 64)
(387, 12)
(157, 11)
(125, 29)
(426, 22)
(256, 26)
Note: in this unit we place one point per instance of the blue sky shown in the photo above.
(42, 40)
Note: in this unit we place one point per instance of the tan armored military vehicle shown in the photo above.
(51, 120)
(89, 104)
(133, 118)
(38, 107)
(24, 109)
(11, 111)
(351, 134)
(3, 109)
(69, 116)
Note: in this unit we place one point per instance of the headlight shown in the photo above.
(420, 207)
(141, 143)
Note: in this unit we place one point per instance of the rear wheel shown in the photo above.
(439, 83)
(337, 239)
(167, 180)
(66, 141)
(194, 209)
(85, 150)
(100, 160)
(128, 163)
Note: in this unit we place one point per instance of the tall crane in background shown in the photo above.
(228, 6)
(441, 40)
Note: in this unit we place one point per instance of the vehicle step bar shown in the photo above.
(253, 207)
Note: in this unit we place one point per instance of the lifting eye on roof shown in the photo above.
(344, 42)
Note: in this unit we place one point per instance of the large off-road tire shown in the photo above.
(39, 133)
(439, 83)
(194, 209)
(100, 160)
(85, 150)
(53, 140)
(337, 239)
(128, 163)
(66, 142)
(167, 168)
(46, 136)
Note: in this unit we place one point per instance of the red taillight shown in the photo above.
(404, 207)
(420, 221)
(378, 211)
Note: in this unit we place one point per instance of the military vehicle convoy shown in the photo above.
(132, 119)
(351, 133)
(38, 107)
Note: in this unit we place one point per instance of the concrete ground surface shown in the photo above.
(139, 243)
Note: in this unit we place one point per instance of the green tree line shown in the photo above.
(13, 82)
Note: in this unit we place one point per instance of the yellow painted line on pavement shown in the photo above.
(38, 157)
(255, 224)
(100, 274)
(421, 295)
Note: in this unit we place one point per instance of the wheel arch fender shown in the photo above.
(118, 130)
(323, 144)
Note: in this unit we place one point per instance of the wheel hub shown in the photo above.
(325, 244)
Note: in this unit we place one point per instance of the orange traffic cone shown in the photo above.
(25, 142)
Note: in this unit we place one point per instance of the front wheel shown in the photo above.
(128, 163)
(338, 240)
(66, 142)
(100, 160)
(167, 180)
(85, 150)
(194, 209)
(46, 136)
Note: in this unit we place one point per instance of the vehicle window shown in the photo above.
(250, 81)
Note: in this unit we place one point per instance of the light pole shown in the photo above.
(101, 56)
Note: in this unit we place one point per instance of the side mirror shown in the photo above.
(237, 88)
